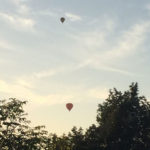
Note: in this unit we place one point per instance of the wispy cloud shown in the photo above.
(73, 17)
(46, 13)
(46, 73)
(91, 40)
(17, 21)
(21, 7)
(97, 38)
(147, 6)
(102, 56)
(24, 83)
(21, 90)
(129, 42)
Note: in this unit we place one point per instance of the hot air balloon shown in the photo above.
(62, 19)
(69, 106)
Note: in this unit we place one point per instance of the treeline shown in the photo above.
(123, 123)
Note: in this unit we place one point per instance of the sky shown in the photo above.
(101, 45)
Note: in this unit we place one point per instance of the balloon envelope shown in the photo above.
(62, 19)
(69, 106)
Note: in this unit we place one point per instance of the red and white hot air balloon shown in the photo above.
(69, 106)
(62, 19)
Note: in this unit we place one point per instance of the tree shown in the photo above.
(124, 120)
(12, 120)
(123, 123)
(77, 139)
(92, 138)
(15, 132)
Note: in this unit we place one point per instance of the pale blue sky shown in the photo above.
(101, 45)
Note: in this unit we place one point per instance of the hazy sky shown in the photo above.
(101, 45)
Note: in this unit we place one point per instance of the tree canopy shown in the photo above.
(122, 124)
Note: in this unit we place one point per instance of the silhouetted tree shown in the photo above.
(124, 120)
(77, 139)
(123, 123)
(92, 138)
(15, 133)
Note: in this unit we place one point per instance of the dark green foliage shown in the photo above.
(124, 120)
(77, 139)
(92, 138)
(15, 133)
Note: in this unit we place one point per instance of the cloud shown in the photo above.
(47, 13)
(113, 69)
(147, 6)
(129, 42)
(100, 55)
(95, 64)
(97, 38)
(20, 90)
(91, 40)
(17, 21)
(24, 83)
(27, 88)
(46, 73)
(5, 44)
(22, 8)
(73, 17)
